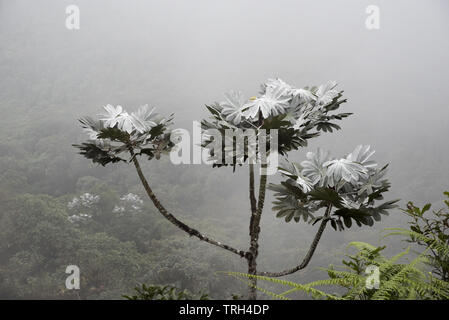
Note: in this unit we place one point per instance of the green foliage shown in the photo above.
(99, 153)
(289, 284)
(144, 132)
(114, 251)
(430, 230)
(350, 186)
(398, 281)
(297, 114)
(157, 292)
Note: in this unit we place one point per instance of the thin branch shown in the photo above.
(172, 218)
(309, 254)
(257, 212)
(252, 196)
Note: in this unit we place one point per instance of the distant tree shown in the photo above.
(298, 114)
(38, 241)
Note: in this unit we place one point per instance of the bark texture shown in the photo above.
(254, 230)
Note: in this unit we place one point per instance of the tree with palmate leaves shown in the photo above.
(346, 188)
(297, 115)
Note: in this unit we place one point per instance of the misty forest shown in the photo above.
(102, 172)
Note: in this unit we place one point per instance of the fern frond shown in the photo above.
(267, 292)
(298, 287)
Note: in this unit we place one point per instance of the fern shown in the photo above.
(398, 281)
(296, 286)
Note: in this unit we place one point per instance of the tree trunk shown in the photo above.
(254, 227)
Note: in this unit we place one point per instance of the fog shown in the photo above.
(180, 55)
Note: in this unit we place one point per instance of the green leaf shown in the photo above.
(347, 221)
(114, 134)
(426, 208)
(326, 195)
(334, 225)
(97, 154)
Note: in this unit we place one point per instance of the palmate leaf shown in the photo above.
(288, 140)
(327, 126)
(339, 116)
(232, 107)
(287, 190)
(156, 147)
(273, 102)
(360, 216)
(157, 130)
(276, 122)
(148, 152)
(382, 209)
(291, 209)
(97, 154)
(291, 201)
(114, 134)
(117, 132)
(377, 195)
(214, 111)
(347, 185)
(297, 114)
(335, 104)
(90, 123)
(364, 215)
(327, 196)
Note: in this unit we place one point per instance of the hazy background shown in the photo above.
(179, 56)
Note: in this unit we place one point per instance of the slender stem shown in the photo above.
(252, 196)
(172, 218)
(309, 254)
(255, 231)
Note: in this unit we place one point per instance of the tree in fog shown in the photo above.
(350, 185)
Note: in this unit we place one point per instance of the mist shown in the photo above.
(179, 56)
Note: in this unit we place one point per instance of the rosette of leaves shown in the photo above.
(117, 132)
(351, 186)
(297, 114)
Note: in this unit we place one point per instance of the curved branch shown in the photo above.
(309, 254)
(181, 225)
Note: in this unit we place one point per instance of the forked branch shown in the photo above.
(181, 225)
(309, 254)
